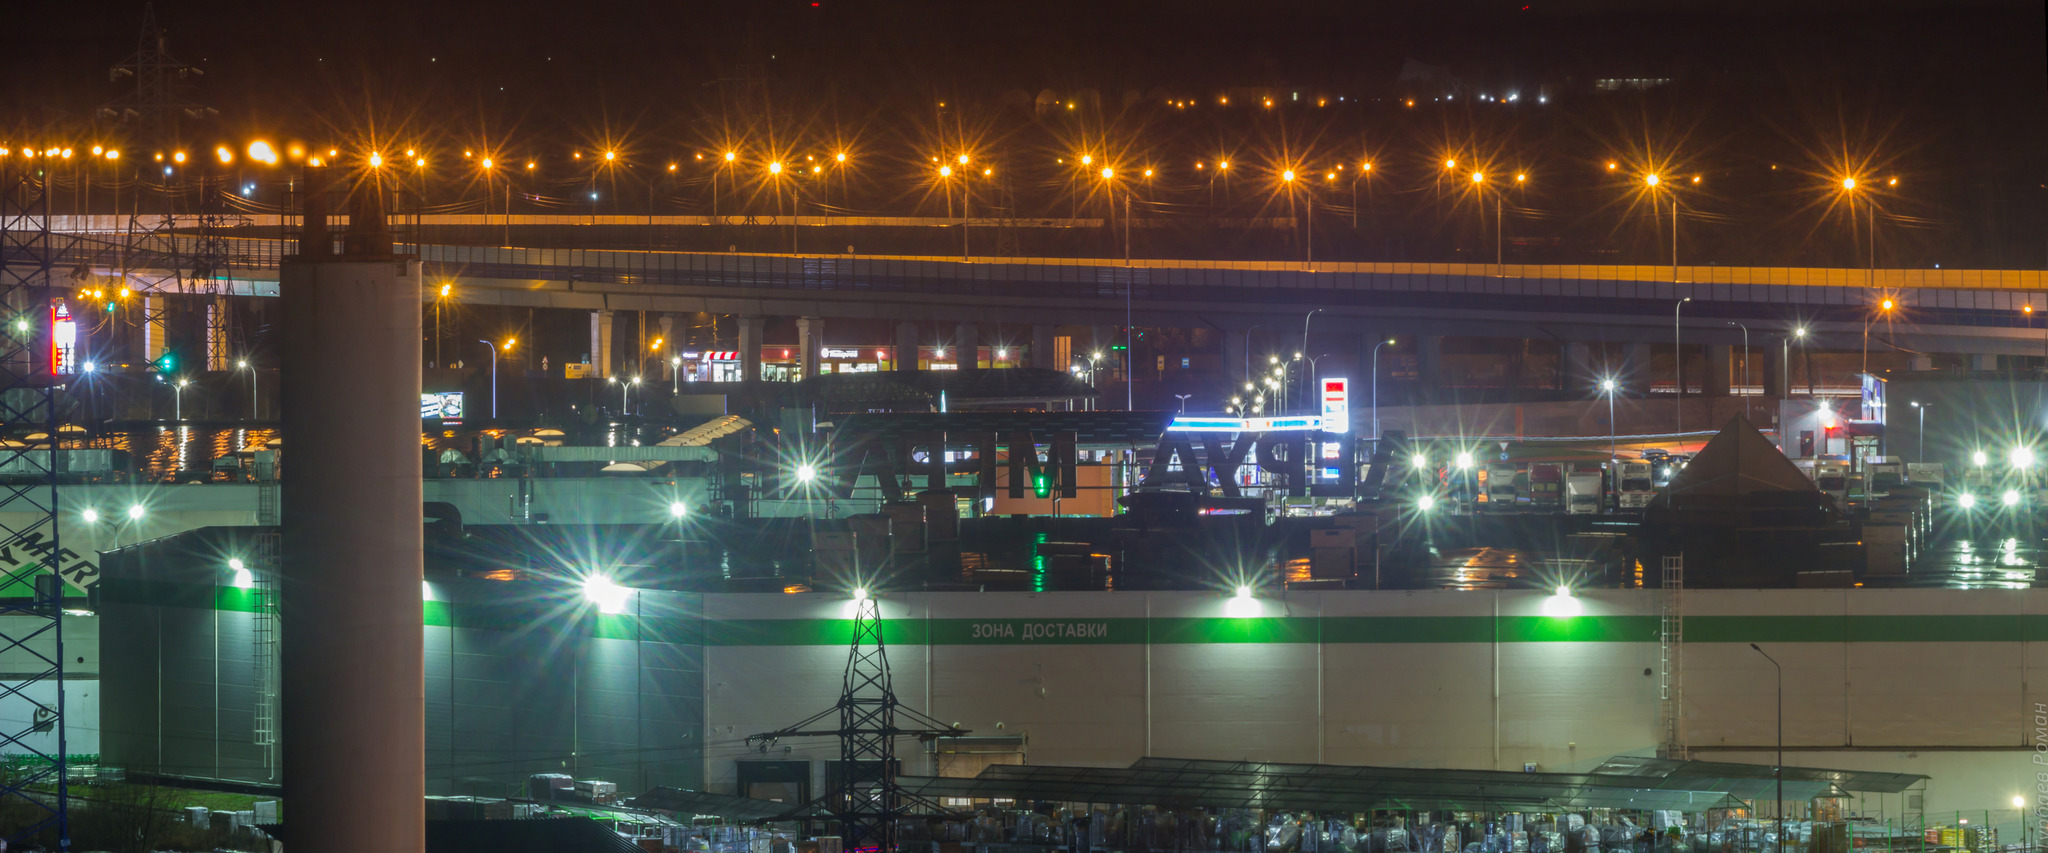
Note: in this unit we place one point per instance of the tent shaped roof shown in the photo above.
(1738, 462)
(1753, 780)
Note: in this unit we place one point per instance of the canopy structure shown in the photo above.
(1758, 781)
(1320, 787)
(685, 802)
(1737, 463)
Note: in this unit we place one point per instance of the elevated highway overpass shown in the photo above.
(1978, 313)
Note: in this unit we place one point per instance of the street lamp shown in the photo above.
(1785, 359)
(1779, 771)
(1678, 362)
(1884, 309)
(675, 373)
(1376, 386)
(1304, 328)
(1655, 183)
(1745, 362)
(1608, 387)
(1921, 412)
(244, 365)
(625, 386)
(178, 399)
(494, 371)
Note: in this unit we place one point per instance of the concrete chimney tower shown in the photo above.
(354, 695)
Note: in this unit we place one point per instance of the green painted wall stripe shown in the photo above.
(674, 626)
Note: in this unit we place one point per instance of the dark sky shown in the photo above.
(564, 60)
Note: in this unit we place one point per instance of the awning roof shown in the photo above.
(1225, 784)
(1758, 780)
(686, 802)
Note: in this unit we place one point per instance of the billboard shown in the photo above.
(445, 405)
(1337, 405)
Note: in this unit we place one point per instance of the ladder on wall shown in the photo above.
(265, 654)
(1671, 658)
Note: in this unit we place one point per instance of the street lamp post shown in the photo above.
(1785, 360)
(1745, 363)
(178, 399)
(244, 365)
(1376, 387)
(1779, 771)
(1678, 363)
(1608, 387)
(494, 376)
(1921, 412)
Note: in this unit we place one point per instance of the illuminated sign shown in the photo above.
(446, 405)
(831, 352)
(1337, 404)
(1285, 423)
(63, 338)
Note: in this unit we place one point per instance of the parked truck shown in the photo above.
(1584, 492)
(1546, 486)
(1883, 474)
(1501, 491)
(1636, 488)
(1831, 476)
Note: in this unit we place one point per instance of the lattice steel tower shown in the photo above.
(867, 803)
(32, 593)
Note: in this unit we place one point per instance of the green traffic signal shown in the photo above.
(1041, 485)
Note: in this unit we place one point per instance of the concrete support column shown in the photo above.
(1983, 361)
(1429, 359)
(810, 335)
(1635, 368)
(1770, 371)
(1233, 359)
(1041, 348)
(906, 346)
(669, 347)
(1576, 368)
(636, 365)
(750, 347)
(967, 346)
(1921, 362)
(351, 557)
(601, 343)
(1719, 361)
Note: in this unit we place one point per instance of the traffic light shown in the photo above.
(1041, 485)
(167, 363)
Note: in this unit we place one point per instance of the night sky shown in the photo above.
(1952, 95)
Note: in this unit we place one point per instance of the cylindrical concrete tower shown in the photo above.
(354, 696)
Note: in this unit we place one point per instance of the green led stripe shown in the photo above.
(672, 624)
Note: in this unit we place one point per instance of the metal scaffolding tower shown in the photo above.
(155, 258)
(866, 800)
(32, 592)
(1671, 659)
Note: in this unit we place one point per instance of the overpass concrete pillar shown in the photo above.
(906, 346)
(1719, 361)
(967, 346)
(601, 343)
(669, 346)
(1635, 368)
(1983, 361)
(1429, 359)
(1042, 348)
(1770, 372)
(810, 335)
(1233, 359)
(1920, 362)
(1576, 369)
(637, 364)
(750, 347)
